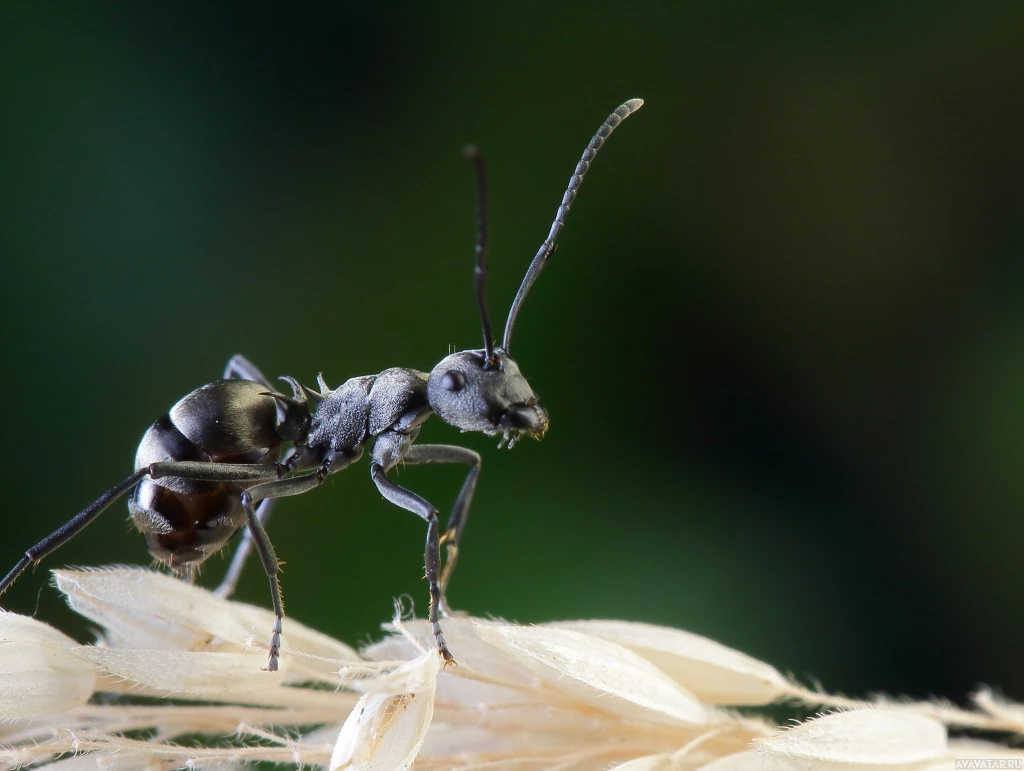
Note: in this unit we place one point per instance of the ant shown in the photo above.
(214, 463)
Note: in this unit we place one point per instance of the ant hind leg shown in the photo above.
(234, 572)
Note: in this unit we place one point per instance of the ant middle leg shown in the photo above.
(383, 458)
(443, 453)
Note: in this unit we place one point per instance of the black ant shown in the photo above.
(214, 464)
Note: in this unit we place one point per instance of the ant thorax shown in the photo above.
(364, 407)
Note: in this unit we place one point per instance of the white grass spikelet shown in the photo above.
(647, 763)
(879, 738)
(146, 610)
(39, 674)
(224, 676)
(176, 684)
(588, 667)
(477, 657)
(712, 672)
(386, 730)
(749, 760)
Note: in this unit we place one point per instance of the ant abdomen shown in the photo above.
(187, 520)
(227, 421)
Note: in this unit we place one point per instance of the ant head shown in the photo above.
(484, 390)
(469, 391)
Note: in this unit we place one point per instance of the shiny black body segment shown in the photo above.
(228, 421)
(217, 461)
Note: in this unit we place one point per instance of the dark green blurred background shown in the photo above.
(782, 341)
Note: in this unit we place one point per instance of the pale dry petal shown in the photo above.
(647, 763)
(749, 760)
(574, 696)
(39, 675)
(879, 738)
(391, 677)
(448, 740)
(602, 673)
(302, 641)
(385, 731)
(229, 676)
(978, 749)
(475, 656)
(712, 672)
(143, 609)
(486, 681)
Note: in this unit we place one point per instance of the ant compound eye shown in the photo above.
(453, 381)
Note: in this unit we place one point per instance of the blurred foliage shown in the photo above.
(780, 341)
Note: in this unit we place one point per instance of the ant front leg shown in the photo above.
(443, 453)
(390, 449)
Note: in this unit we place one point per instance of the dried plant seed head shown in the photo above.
(173, 686)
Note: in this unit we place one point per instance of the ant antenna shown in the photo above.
(548, 247)
(480, 271)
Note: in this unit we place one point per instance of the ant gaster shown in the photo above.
(214, 463)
